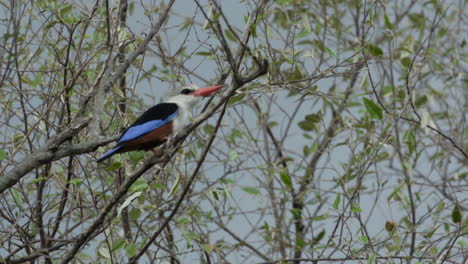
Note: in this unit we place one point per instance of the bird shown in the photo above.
(158, 123)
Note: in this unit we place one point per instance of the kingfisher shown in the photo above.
(157, 124)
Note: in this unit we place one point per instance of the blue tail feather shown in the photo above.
(109, 154)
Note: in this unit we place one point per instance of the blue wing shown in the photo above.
(108, 154)
(139, 130)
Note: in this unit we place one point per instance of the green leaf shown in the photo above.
(319, 217)
(356, 208)
(337, 201)
(174, 187)
(364, 239)
(37, 180)
(463, 243)
(136, 156)
(390, 226)
(104, 252)
(233, 155)
(230, 35)
(75, 181)
(307, 126)
(68, 20)
(313, 118)
(302, 34)
(286, 178)
(388, 24)
(158, 186)
(114, 166)
(373, 109)
(134, 214)
(131, 250)
(203, 53)
(253, 30)
(330, 52)
(372, 258)
(65, 9)
(310, 122)
(209, 129)
(236, 98)
(3, 154)
(138, 186)
(409, 138)
(456, 214)
(251, 190)
(319, 237)
(417, 19)
(17, 197)
(374, 50)
(118, 244)
(405, 61)
(207, 248)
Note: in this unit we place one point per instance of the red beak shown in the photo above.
(207, 90)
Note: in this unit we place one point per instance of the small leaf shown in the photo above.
(319, 217)
(409, 139)
(118, 244)
(313, 118)
(136, 156)
(371, 259)
(388, 24)
(456, 214)
(131, 250)
(307, 125)
(17, 197)
(253, 30)
(356, 208)
(104, 252)
(373, 109)
(174, 187)
(236, 99)
(364, 239)
(75, 181)
(203, 53)
(425, 119)
(374, 50)
(463, 243)
(302, 34)
(3, 154)
(286, 178)
(250, 190)
(209, 129)
(330, 52)
(134, 214)
(68, 20)
(233, 155)
(230, 35)
(405, 61)
(138, 186)
(127, 202)
(158, 186)
(337, 201)
(114, 166)
(390, 226)
(37, 180)
(65, 9)
(207, 248)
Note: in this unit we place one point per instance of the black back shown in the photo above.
(157, 112)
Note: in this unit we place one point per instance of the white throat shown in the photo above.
(185, 104)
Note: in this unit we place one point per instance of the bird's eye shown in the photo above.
(186, 91)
